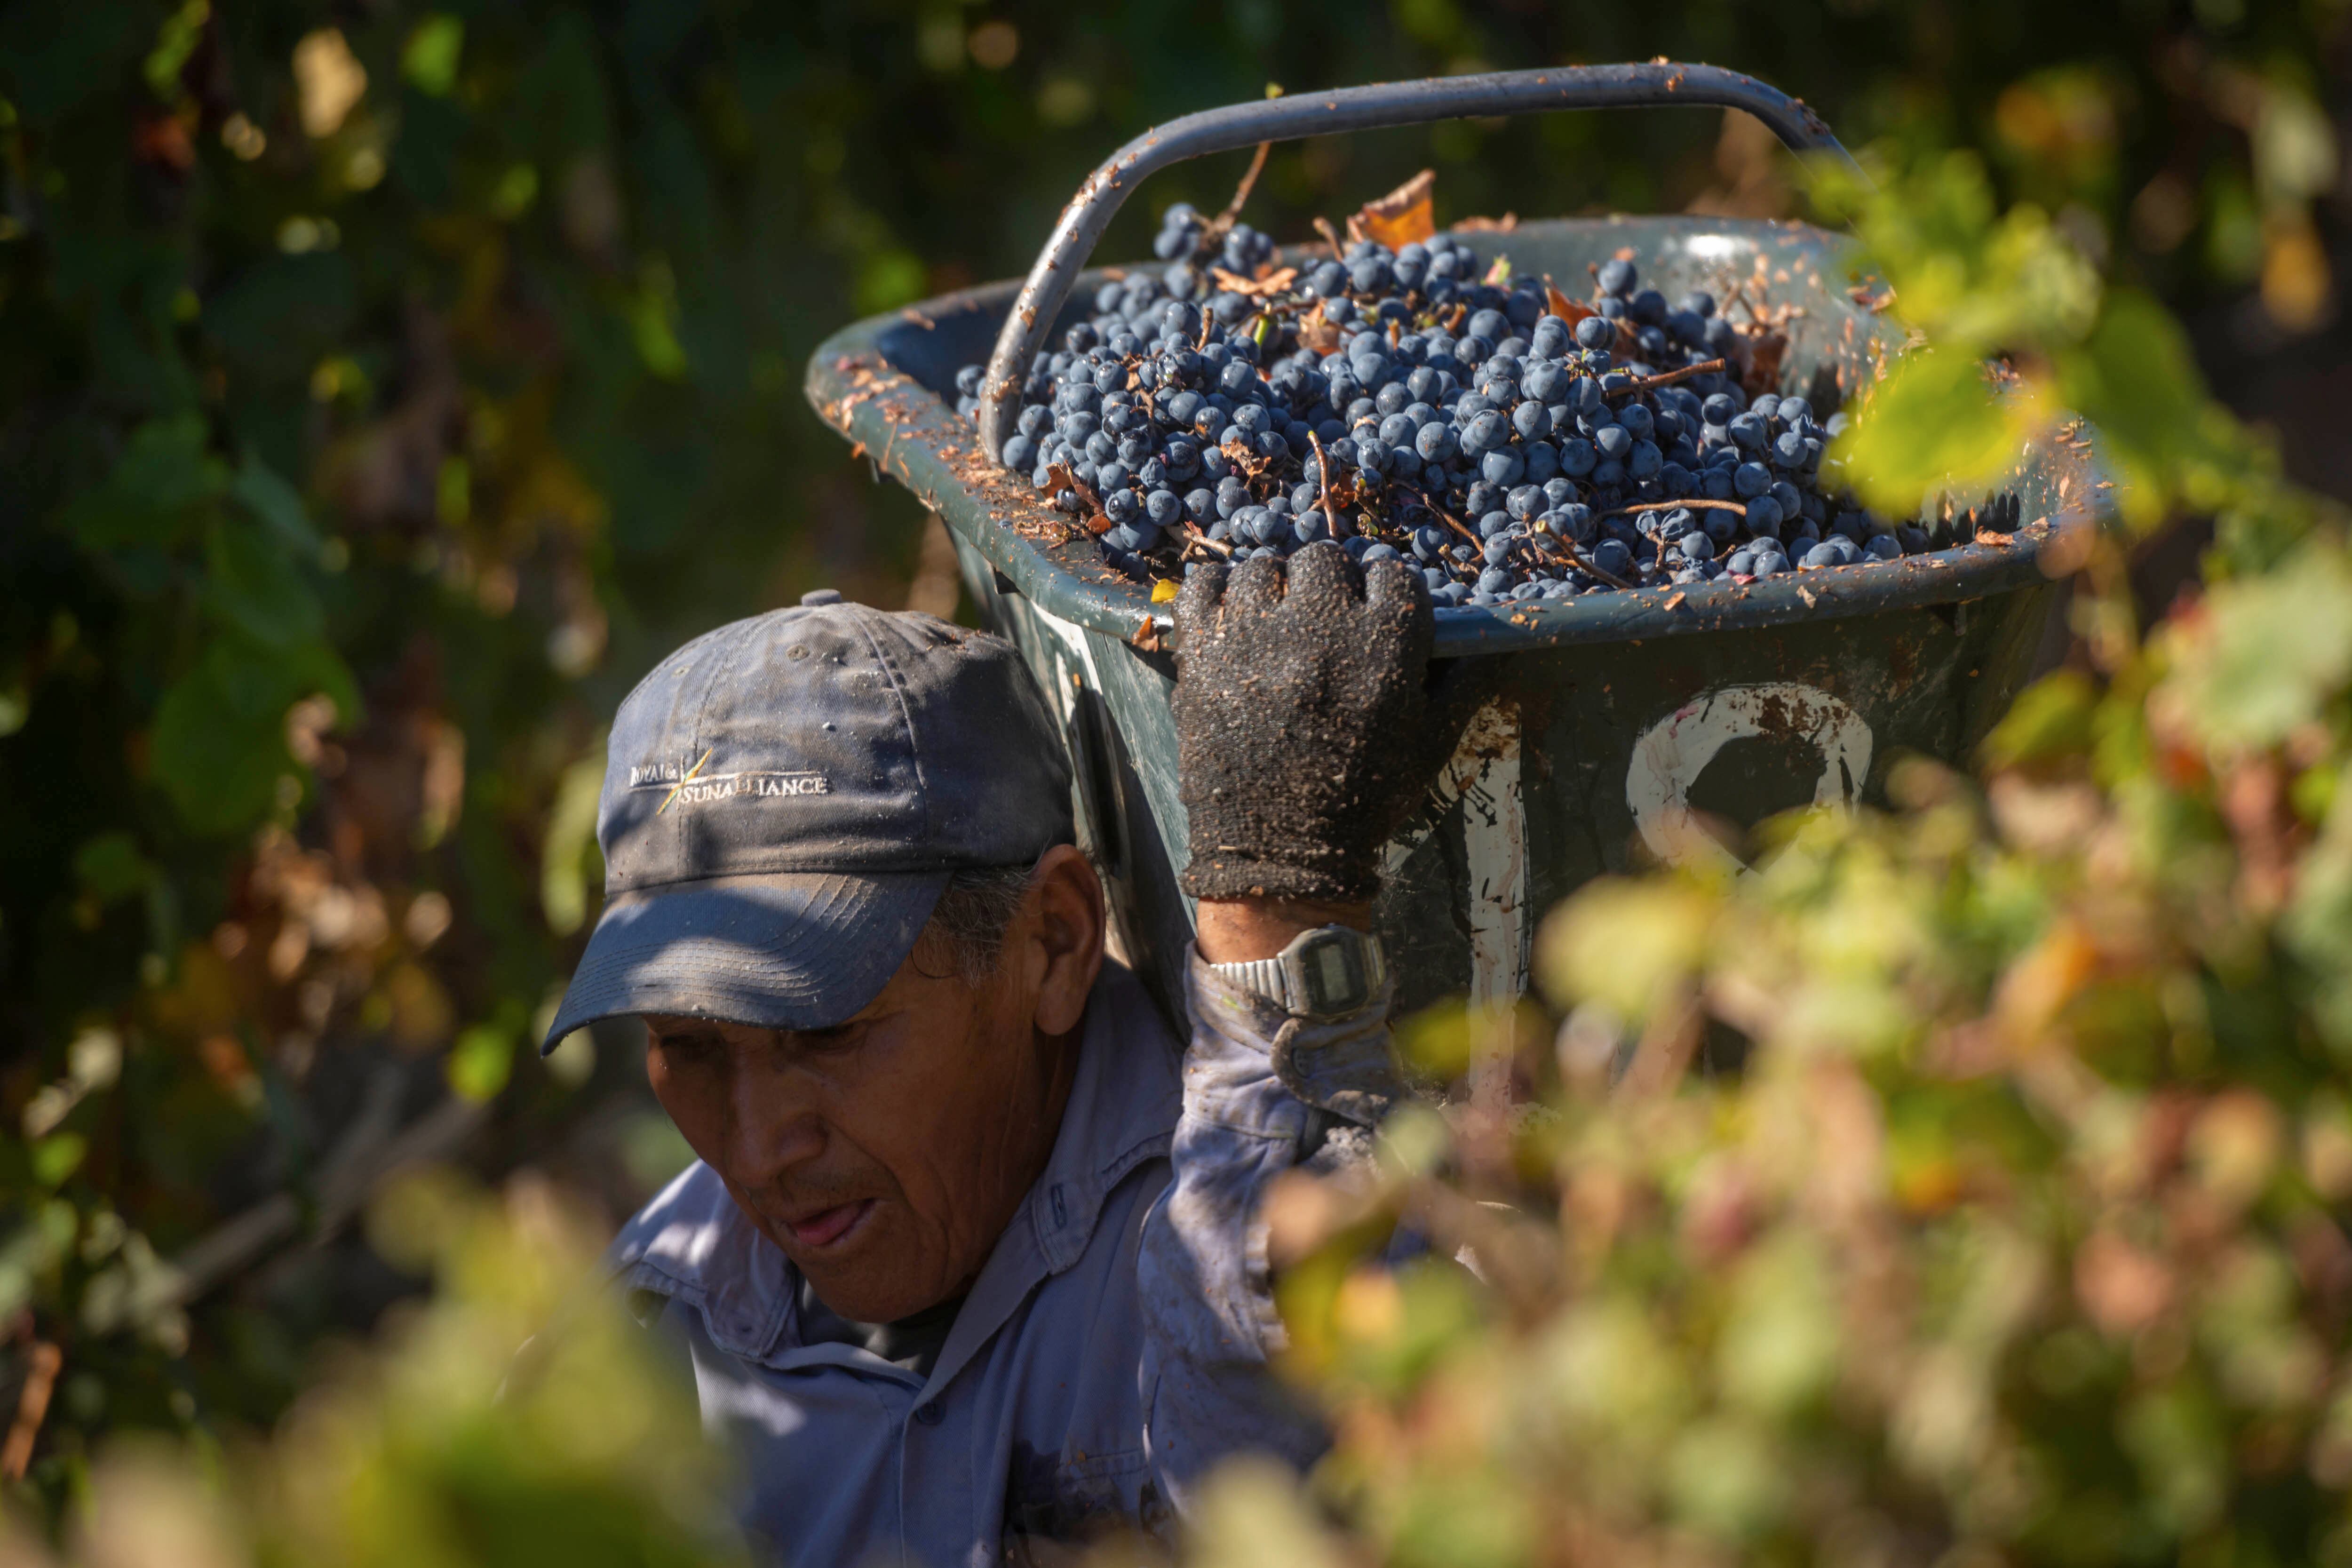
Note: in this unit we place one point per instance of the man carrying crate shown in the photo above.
(970, 1257)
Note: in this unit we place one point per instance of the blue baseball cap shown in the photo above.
(784, 799)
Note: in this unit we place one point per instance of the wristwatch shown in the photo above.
(1323, 974)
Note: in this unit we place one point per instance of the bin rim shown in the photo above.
(911, 433)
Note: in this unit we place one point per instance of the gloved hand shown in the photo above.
(1305, 727)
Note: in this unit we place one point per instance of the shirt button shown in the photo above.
(928, 1412)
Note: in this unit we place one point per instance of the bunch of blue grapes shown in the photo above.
(1186, 236)
(1414, 404)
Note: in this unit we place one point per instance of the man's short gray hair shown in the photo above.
(969, 922)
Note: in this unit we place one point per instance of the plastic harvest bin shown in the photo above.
(1621, 713)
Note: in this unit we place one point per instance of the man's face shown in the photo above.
(887, 1154)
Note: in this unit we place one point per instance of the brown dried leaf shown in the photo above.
(1059, 476)
(1246, 459)
(1566, 308)
(1403, 216)
(1315, 333)
(1271, 284)
(1763, 374)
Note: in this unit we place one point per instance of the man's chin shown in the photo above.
(862, 1284)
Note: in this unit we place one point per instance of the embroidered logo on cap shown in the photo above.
(691, 786)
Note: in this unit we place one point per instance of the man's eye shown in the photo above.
(830, 1042)
(687, 1047)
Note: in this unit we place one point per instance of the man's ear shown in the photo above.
(1064, 935)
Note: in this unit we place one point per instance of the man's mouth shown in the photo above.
(830, 1226)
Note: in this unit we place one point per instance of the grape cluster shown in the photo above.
(1415, 402)
(1185, 235)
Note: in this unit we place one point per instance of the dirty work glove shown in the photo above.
(1304, 724)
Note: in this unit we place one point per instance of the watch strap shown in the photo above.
(1260, 976)
(1279, 978)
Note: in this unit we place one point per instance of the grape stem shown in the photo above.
(1577, 557)
(1699, 504)
(1323, 484)
(1590, 564)
(1225, 220)
(1445, 519)
(1668, 377)
(1192, 536)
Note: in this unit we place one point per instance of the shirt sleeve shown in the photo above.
(1262, 1092)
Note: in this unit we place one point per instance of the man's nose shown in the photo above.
(771, 1129)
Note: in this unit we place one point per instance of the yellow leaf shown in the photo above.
(1251, 1513)
(1624, 943)
(1163, 591)
(329, 80)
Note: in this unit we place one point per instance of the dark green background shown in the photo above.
(528, 414)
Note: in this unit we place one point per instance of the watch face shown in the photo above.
(1332, 966)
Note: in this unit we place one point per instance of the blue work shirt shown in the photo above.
(1111, 1349)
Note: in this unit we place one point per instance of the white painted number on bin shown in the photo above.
(1674, 752)
(1484, 775)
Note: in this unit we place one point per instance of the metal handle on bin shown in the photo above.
(1370, 108)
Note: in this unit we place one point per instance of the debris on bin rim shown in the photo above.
(911, 433)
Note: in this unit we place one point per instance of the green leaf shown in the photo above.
(480, 1062)
(1725, 1479)
(1780, 1344)
(2051, 719)
(266, 495)
(165, 471)
(1622, 943)
(218, 746)
(252, 582)
(109, 867)
(58, 1156)
(1438, 1041)
(1251, 1515)
(653, 1150)
(888, 279)
(2136, 380)
(174, 42)
(2269, 653)
(217, 760)
(565, 866)
(1932, 424)
(653, 320)
(2316, 924)
(429, 62)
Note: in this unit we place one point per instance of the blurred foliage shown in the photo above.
(447, 1446)
(2018, 1235)
(2012, 294)
(385, 387)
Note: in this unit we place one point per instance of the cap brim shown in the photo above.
(783, 951)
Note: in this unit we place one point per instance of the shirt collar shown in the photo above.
(693, 1244)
